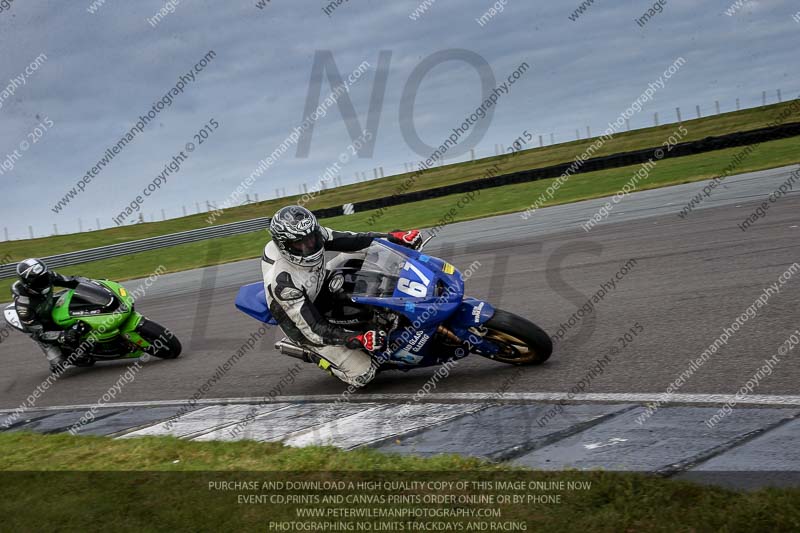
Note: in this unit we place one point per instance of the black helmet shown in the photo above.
(297, 234)
(34, 276)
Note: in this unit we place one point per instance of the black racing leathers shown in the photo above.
(34, 309)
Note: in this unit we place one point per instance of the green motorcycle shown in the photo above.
(109, 327)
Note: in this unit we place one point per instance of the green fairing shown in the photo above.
(104, 326)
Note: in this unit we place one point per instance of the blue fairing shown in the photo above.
(252, 301)
(429, 292)
(471, 313)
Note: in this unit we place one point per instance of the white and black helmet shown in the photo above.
(298, 236)
(34, 275)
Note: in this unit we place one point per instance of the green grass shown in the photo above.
(748, 119)
(65, 483)
(429, 213)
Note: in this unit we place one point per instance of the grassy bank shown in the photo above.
(429, 213)
(65, 483)
(748, 119)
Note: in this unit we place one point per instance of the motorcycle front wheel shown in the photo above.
(521, 341)
(164, 344)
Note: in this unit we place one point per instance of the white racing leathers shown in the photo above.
(291, 292)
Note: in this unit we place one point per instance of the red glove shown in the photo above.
(411, 238)
(371, 341)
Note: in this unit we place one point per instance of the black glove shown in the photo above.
(371, 341)
(411, 238)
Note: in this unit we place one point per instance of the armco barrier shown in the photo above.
(143, 245)
(598, 163)
(624, 159)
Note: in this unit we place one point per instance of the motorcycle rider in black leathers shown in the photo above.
(294, 272)
(33, 299)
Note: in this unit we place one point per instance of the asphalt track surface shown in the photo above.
(692, 277)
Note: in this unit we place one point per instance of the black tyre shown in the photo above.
(521, 341)
(169, 346)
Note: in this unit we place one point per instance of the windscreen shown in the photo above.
(87, 294)
(371, 272)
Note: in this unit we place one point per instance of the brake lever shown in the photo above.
(425, 242)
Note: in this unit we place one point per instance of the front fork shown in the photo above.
(130, 332)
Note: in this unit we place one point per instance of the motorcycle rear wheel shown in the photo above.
(521, 341)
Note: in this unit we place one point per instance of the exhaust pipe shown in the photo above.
(287, 347)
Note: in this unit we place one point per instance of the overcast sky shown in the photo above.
(104, 70)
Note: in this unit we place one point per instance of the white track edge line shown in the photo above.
(615, 397)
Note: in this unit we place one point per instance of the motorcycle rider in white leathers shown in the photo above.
(294, 272)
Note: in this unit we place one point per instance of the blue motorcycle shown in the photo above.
(419, 301)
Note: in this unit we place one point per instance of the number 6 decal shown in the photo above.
(412, 288)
